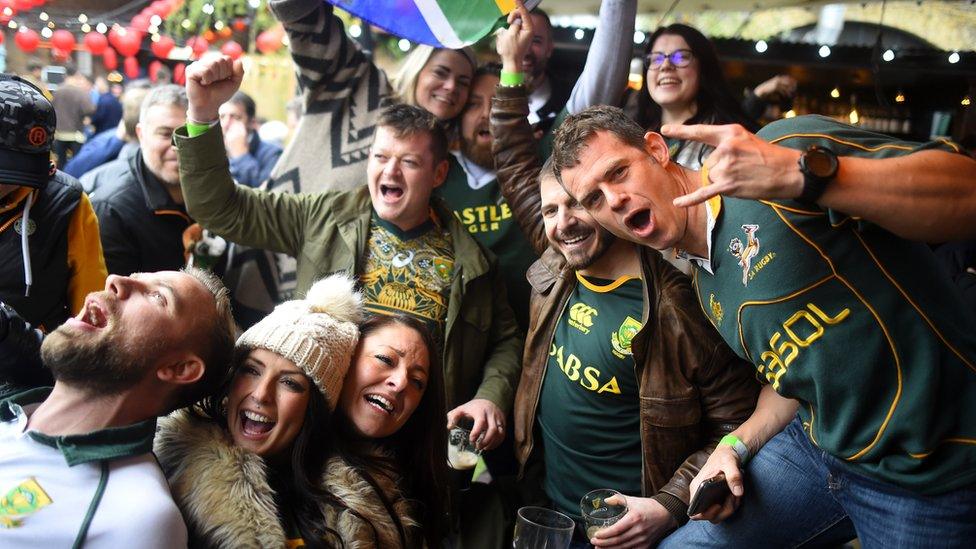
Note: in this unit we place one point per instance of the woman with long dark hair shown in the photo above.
(684, 84)
(288, 454)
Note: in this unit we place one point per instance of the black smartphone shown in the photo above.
(711, 492)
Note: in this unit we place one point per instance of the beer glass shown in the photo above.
(541, 528)
(597, 513)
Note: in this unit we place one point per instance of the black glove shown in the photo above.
(20, 351)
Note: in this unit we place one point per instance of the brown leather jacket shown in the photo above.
(692, 388)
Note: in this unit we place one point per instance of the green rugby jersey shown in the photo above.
(859, 325)
(409, 272)
(589, 411)
(486, 215)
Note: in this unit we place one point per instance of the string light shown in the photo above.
(219, 25)
(888, 55)
(155, 20)
(102, 28)
(954, 57)
(46, 32)
(900, 97)
(404, 45)
(762, 46)
(965, 101)
(824, 50)
(789, 114)
(86, 28)
(255, 4)
(207, 9)
(579, 34)
(8, 11)
(12, 25)
(186, 24)
(50, 25)
(853, 117)
(83, 18)
(43, 16)
(355, 31)
(639, 37)
(835, 93)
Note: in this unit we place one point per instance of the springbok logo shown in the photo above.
(581, 317)
(745, 253)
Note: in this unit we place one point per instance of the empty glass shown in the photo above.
(597, 513)
(541, 528)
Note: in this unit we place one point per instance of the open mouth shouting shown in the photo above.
(93, 316)
(255, 425)
(380, 403)
(639, 222)
(391, 192)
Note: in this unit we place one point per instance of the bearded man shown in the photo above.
(76, 463)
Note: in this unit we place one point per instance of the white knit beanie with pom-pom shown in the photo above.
(318, 333)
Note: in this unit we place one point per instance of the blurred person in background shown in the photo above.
(108, 109)
(251, 158)
(113, 143)
(72, 102)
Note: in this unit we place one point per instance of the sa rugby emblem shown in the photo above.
(622, 338)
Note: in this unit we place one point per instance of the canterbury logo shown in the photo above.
(582, 314)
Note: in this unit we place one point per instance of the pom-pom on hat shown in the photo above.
(319, 333)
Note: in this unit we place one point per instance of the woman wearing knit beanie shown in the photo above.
(270, 461)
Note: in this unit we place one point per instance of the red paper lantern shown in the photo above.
(96, 43)
(23, 5)
(232, 49)
(268, 42)
(140, 22)
(209, 36)
(131, 67)
(63, 40)
(198, 45)
(179, 74)
(162, 47)
(128, 44)
(239, 24)
(27, 40)
(154, 69)
(110, 59)
(225, 32)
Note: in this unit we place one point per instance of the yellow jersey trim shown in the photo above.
(603, 289)
(86, 261)
(842, 142)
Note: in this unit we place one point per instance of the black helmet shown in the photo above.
(27, 123)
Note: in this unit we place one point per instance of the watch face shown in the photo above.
(820, 163)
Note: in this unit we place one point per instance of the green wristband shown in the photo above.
(510, 79)
(194, 129)
(740, 448)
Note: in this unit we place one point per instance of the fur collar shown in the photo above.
(225, 497)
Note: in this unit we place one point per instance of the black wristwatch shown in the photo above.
(819, 167)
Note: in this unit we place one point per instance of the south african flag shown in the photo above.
(440, 23)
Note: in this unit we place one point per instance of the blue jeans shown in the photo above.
(798, 495)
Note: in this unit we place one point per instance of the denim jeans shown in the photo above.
(798, 495)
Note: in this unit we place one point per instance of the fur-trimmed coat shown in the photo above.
(226, 500)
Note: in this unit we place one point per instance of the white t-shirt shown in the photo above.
(44, 502)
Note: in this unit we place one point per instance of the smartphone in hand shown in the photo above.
(712, 491)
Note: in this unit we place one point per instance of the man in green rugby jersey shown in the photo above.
(624, 383)
(807, 240)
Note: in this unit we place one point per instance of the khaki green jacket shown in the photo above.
(329, 232)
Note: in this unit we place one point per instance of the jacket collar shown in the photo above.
(469, 256)
(153, 190)
(104, 444)
(203, 466)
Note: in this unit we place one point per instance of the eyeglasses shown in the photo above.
(678, 58)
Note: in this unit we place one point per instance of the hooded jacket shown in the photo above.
(227, 501)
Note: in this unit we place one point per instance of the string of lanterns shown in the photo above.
(126, 40)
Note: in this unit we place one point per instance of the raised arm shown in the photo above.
(517, 162)
(273, 221)
(604, 75)
(921, 194)
(326, 59)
